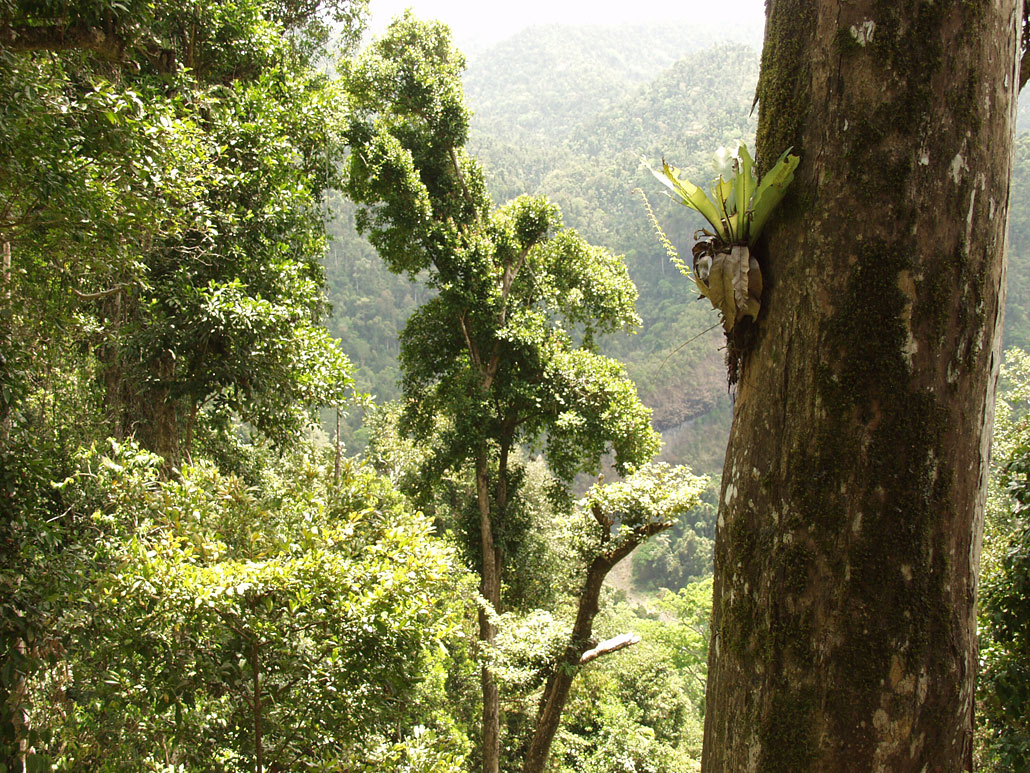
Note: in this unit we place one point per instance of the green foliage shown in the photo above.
(163, 218)
(683, 554)
(739, 205)
(162, 205)
(650, 500)
(580, 150)
(1004, 617)
(643, 709)
(1017, 298)
(723, 268)
(536, 536)
(217, 623)
(493, 351)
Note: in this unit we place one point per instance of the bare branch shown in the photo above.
(604, 520)
(510, 272)
(473, 353)
(614, 644)
(99, 293)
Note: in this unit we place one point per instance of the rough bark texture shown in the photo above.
(153, 415)
(851, 511)
(60, 37)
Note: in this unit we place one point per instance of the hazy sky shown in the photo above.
(488, 21)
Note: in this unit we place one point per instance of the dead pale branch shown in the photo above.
(613, 644)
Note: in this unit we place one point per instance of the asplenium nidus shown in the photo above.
(737, 208)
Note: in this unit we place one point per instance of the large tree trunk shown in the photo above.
(153, 414)
(850, 520)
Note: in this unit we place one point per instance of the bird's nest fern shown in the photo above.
(738, 207)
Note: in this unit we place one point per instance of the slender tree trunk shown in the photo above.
(556, 691)
(112, 371)
(255, 665)
(339, 450)
(6, 330)
(490, 588)
(191, 429)
(850, 520)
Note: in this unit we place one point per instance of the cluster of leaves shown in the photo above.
(537, 537)
(161, 206)
(650, 500)
(739, 205)
(219, 626)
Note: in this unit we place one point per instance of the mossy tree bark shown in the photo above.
(852, 498)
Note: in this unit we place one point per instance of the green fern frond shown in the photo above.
(669, 249)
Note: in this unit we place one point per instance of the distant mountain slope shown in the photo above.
(684, 114)
(545, 81)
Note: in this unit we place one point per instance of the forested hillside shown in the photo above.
(193, 576)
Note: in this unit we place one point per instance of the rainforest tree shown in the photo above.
(849, 529)
(161, 165)
(503, 355)
(1003, 681)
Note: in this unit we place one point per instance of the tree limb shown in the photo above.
(603, 520)
(468, 342)
(510, 272)
(81, 37)
(99, 293)
(464, 185)
(614, 644)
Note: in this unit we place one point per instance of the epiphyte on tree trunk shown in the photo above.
(724, 269)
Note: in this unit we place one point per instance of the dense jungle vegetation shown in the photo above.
(197, 573)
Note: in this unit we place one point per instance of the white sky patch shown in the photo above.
(484, 23)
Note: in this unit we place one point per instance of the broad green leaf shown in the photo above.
(723, 190)
(770, 191)
(744, 189)
(691, 196)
